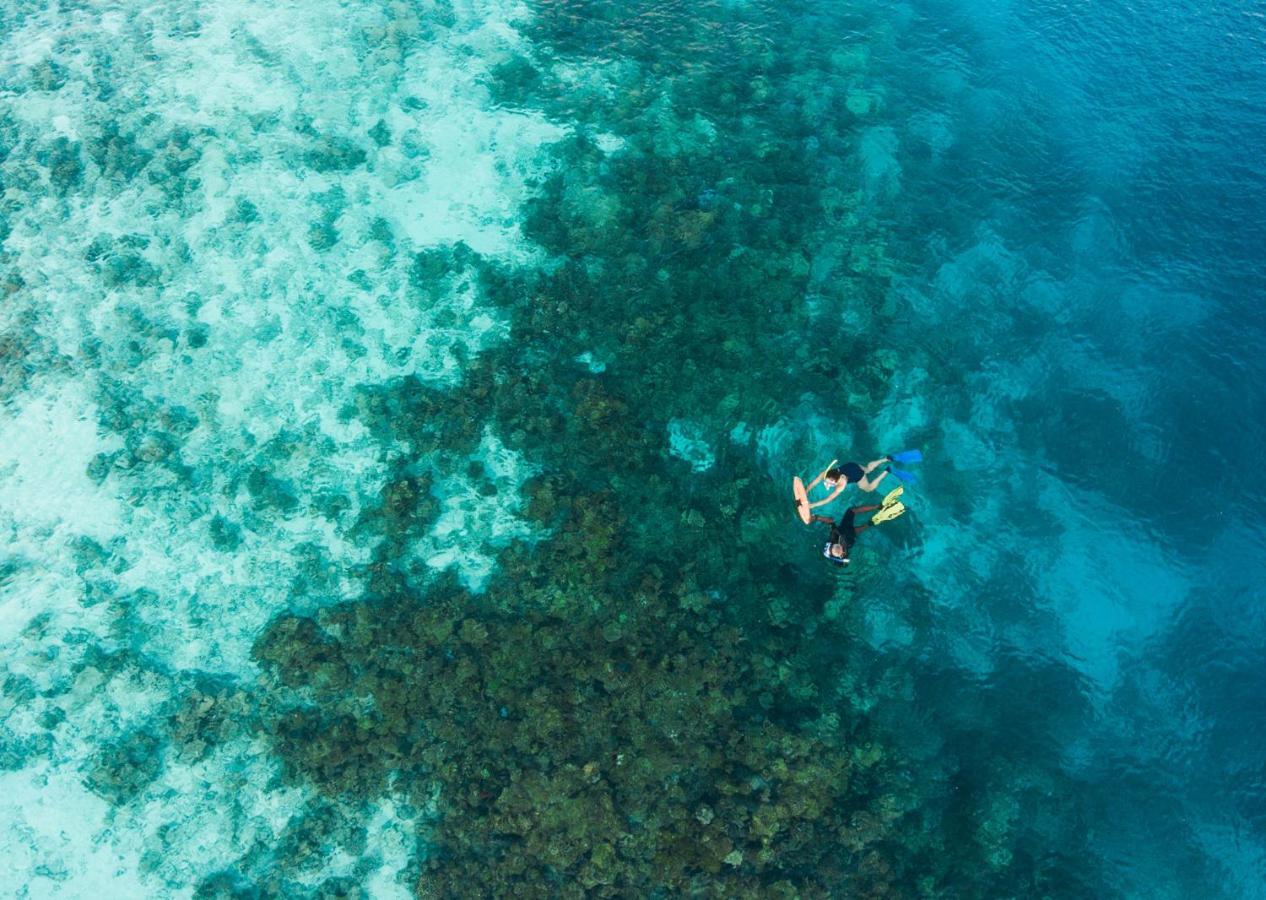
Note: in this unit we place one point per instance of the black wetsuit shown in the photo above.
(844, 532)
(852, 472)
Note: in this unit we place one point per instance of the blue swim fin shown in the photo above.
(902, 475)
(907, 456)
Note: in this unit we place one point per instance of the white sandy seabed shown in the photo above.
(191, 194)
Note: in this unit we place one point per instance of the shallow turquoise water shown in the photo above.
(316, 315)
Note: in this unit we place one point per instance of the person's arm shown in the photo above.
(866, 509)
(825, 519)
(815, 482)
(839, 489)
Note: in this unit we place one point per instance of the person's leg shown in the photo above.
(869, 484)
(870, 466)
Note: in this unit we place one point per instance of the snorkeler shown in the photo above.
(844, 535)
(836, 479)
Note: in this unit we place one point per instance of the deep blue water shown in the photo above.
(1084, 262)
(315, 315)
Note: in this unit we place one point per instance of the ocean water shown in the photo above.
(398, 404)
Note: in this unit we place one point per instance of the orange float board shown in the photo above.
(802, 499)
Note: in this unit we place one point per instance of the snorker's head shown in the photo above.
(832, 476)
(836, 554)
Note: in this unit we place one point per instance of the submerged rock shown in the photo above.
(124, 768)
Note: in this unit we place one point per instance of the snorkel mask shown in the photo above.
(838, 560)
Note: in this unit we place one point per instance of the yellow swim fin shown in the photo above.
(888, 513)
(893, 495)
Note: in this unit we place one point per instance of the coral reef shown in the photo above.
(595, 754)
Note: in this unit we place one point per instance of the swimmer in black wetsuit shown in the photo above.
(844, 535)
(836, 479)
